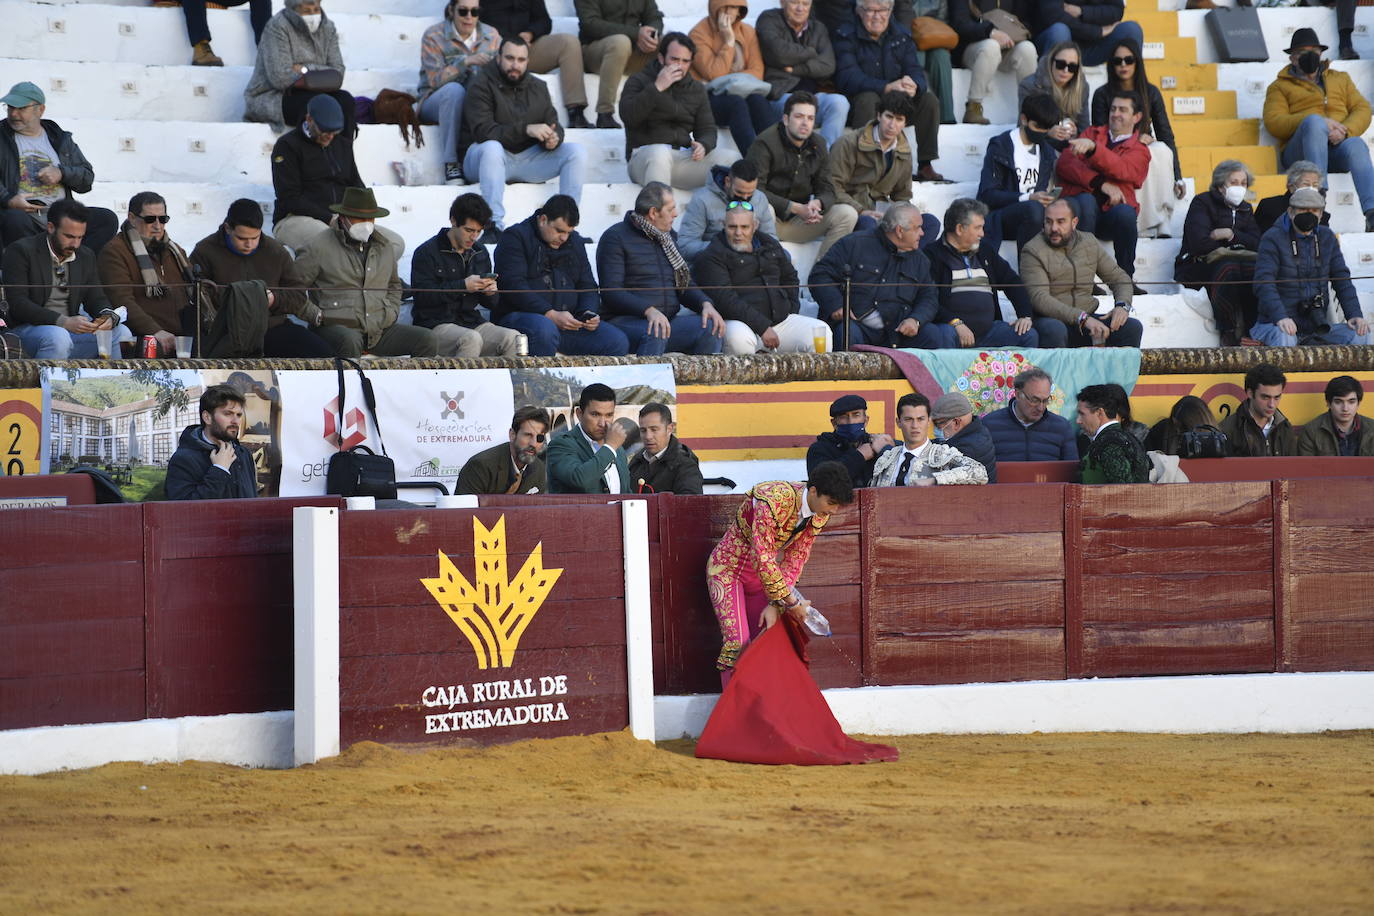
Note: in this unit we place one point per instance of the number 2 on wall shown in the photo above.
(14, 467)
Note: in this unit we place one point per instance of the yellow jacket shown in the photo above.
(1291, 98)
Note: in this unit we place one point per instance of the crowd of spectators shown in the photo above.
(1073, 170)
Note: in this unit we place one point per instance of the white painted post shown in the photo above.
(315, 566)
(639, 649)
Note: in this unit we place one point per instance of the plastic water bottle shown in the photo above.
(815, 621)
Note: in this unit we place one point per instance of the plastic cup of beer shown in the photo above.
(184, 347)
(104, 342)
(818, 339)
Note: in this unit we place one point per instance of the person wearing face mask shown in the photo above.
(704, 217)
(1297, 260)
(148, 274)
(1301, 174)
(250, 269)
(1319, 115)
(1220, 239)
(1018, 170)
(352, 268)
(849, 442)
(298, 40)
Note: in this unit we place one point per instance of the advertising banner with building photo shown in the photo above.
(433, 421)
(124, 421)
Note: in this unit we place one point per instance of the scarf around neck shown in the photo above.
(682, 274)
(153, 287)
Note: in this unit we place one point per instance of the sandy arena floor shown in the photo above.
(1040, 823)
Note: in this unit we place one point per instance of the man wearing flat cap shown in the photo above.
(1319, 115)
(952, 415)
(849, 442)
(312, 167)
(1298, 259)
(352, 268)
(41, 164)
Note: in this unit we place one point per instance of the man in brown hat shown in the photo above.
(353, 270)
(1319, 115)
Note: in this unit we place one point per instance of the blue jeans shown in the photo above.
(546, 339)
(50, 341)
(862, 334)
(944, 337)
(832, 111)
(1019, 222)
(1055, 333)
(1271, 336)
(493, 165)
(1094, 52)
(1117, 225)
(1351, 155)
(686, 336)
(445, 105)
(744, 116)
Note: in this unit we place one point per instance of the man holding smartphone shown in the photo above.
(618, 38)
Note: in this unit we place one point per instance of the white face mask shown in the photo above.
(1235, 195)
(360, 232)
(312, 21)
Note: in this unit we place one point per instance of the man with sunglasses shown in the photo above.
(1095, 25)
(41, 164)
(704, 217)
(148, 274)
(515, 466)
(55, 298)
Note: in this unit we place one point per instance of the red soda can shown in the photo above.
(149, 347)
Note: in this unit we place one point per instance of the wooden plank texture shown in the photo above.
(968, 558)
(1178, 597)
(957, 607)
(1332, 501)
(562, 530)
(1329, 645)
(1205, 648)
(1203, 504)
(77, 647)
(983, 657)
(72, 699)
(423, 629)
(1327, 549)
(919, 511)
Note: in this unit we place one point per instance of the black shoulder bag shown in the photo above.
(1203, 442)
(359, 471)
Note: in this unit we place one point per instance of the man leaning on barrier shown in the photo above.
(515, 466)
(1257, 428)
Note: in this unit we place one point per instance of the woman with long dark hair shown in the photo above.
(1189, 412)
(1164, 185)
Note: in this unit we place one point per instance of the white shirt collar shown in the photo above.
(1104, 426)
(56, 260)
(919, 450)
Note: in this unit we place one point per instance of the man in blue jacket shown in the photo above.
(210, 462)
(968, 278)
(1296, 256)
(647, 284)
(1026, 430)
(1017, 170)
(874, 55)
(891, 293)
(548, 292)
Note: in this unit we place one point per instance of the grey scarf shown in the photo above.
(153, 287)
(682, 274)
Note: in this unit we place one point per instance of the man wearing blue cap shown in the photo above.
(312, 166)
(41, 164)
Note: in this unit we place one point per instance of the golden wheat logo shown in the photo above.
(493, 614)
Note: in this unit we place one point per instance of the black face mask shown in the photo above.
(1305, 222)
(1309, 61)
(1036, 136)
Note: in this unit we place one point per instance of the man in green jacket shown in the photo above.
(514, 466)
(353, 271)
(1115, 456)
(1341, 431)
(588, 458)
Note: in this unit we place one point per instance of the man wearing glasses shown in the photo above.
(56, 302)
(148, 275)
(874, 55)
(41, 164)
(1026, 429)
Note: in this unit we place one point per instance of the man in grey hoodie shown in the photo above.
(704, 217)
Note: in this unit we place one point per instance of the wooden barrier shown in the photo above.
(46, 491)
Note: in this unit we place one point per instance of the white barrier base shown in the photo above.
(1231, 703)
(261, 739)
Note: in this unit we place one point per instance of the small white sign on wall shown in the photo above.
(1152, 50)
(1168, 82)
(1190, 105)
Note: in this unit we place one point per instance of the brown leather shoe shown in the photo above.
(202, 56)
(927, 173)
(973, 113)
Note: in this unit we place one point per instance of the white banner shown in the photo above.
(432, 421)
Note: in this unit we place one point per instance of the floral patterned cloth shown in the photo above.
(758, 560)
